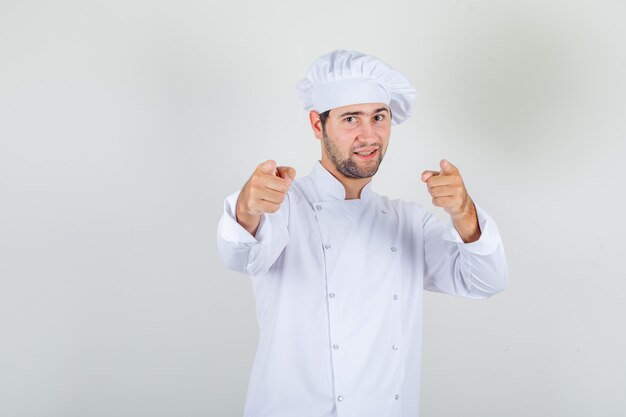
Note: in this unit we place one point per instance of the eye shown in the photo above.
(379, 117)
(350, 119)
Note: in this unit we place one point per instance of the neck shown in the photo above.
(353, 186)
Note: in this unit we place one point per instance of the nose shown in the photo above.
(367, 132)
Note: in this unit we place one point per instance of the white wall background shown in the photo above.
(124, 124)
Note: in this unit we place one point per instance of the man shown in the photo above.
(338, 270)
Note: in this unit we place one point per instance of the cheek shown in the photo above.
(340, 146)
(384, 134)
(344, 141)
(384, 130)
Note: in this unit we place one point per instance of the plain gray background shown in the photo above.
(124, 124)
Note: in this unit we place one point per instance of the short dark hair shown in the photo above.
(323, 118)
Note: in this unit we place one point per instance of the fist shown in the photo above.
(448, 190)
(265, 191)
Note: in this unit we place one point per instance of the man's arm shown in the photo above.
(252, 231)
(476, 269)
(467, 258)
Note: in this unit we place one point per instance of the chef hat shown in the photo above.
(341, 78)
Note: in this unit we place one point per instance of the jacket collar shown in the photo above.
(330, 188)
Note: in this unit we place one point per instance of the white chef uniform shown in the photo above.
(338, 287)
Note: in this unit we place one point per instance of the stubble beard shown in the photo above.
(349, 166)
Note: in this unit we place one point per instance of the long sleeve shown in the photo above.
(473, 270)
(241, 251)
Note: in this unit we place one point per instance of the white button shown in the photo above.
(335, 347)
(394, 347)
(331, 295)
(340, 398)
(395, 296)
(393, 249)
(397, 396)
(318, 207)
(327, 246)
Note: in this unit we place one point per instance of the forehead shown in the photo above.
(364, 108)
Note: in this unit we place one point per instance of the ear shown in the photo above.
(316, 124)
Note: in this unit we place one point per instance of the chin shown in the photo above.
(353, 170)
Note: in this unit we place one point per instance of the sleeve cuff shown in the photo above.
(489, 235)
(232, 231)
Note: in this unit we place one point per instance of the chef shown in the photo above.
(337, 270)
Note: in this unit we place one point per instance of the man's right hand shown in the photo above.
(264, 192)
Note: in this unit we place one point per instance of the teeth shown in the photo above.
(364, 153)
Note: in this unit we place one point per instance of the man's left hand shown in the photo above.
(448, 192)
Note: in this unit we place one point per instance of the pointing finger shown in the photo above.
(287, 173)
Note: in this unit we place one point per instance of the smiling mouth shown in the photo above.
(366, 155)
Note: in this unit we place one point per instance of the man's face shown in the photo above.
(355, 138)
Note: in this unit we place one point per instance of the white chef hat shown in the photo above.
(341, 78)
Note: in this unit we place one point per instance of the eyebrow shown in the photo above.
(360, 113)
